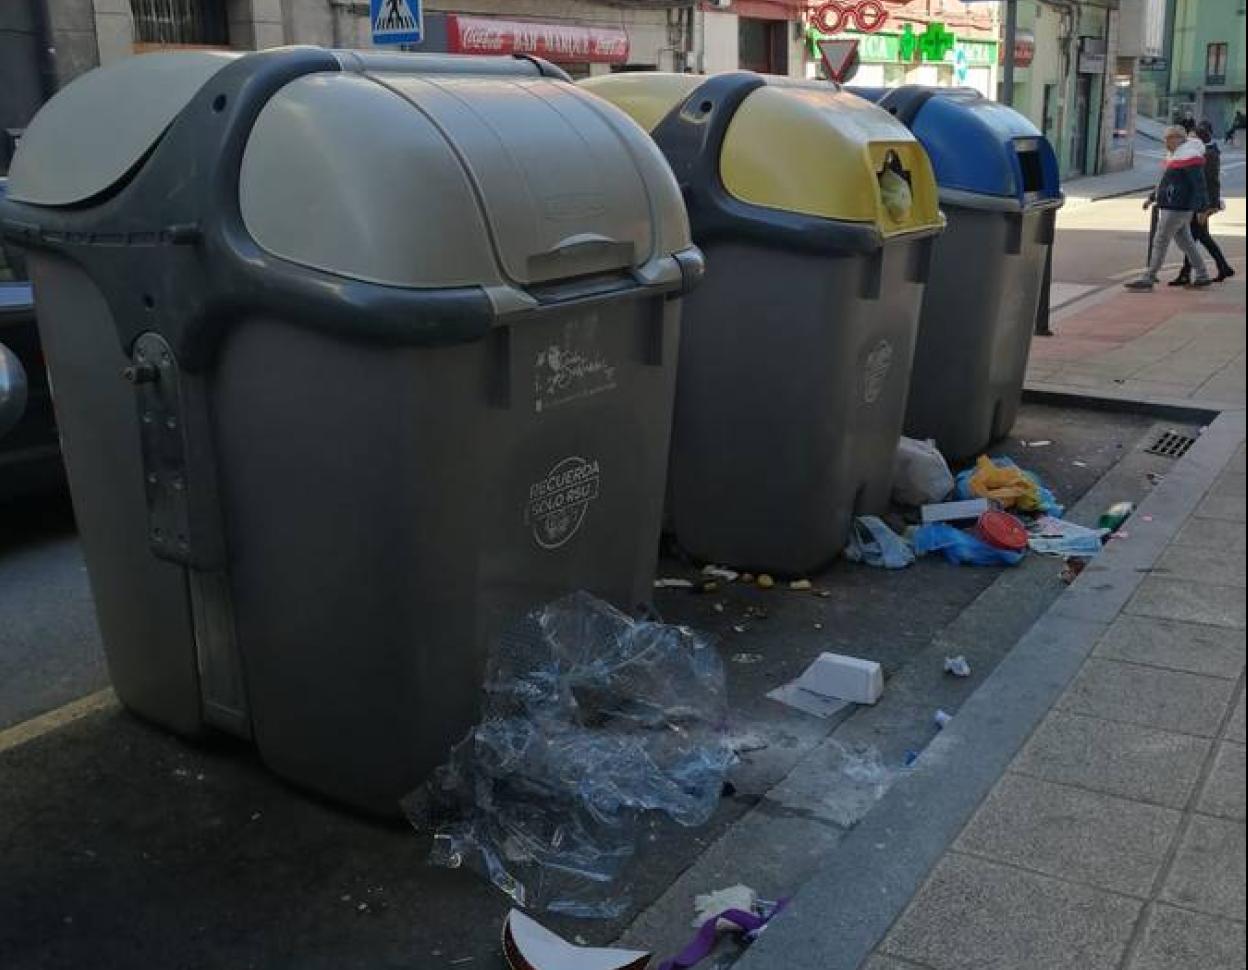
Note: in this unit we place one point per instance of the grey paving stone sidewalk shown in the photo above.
(1116, 839)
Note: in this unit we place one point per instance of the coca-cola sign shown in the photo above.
(562, 43)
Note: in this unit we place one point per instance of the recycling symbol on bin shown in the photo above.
(559, 501)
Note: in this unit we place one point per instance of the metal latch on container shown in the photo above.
(162, 441)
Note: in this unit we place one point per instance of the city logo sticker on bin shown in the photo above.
(570, 370)
(397, 21)
(878, 362)
(559, 501)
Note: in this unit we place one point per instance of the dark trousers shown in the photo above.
(1200, 232)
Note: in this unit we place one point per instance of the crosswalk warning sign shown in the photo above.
(397, 21)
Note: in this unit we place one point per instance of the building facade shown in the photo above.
(1206, 68)
(1078, 75)
(938, 42)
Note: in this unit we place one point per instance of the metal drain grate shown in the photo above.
(1171, 444)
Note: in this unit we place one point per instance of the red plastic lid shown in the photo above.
(1002, 530)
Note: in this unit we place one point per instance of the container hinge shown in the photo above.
(162, 441)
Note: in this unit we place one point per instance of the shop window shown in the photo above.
(187, 22)
(763, 45)
(1216, 56)
(894, 75)
(1124, 90)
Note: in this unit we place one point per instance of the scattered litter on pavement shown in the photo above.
(873, 543)
(1155, 478)
(673, 584)
(954, 511)
(719, 572)
(748, 922)
(1080, 464)
(1002, 531)
(528, 945)
(719, 607)
(957, 666)
(747, 742)
(1146, 518)
(1042, 443)
(593, 724)
(765, 581)
(1113, 517)
(818, 705)
(1072, 568)
(920, 473)
(738, 628)
(709, 906)
(1051, 536)
(847, 678)
(1001, 481)
(746, 658)
(941, 719)
(911, 757)
(961, 547)
(831, 683)
(801, 585)
(1120, 534)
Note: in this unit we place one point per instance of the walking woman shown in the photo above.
(1200, 228)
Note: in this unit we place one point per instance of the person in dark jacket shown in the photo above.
(1180, 194)
(1200, 228)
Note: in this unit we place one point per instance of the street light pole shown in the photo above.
(1011, 35)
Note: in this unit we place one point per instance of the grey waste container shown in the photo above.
(999, 189)
(816, 212)
(398, 336)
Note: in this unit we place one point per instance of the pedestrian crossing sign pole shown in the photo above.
(397, 21)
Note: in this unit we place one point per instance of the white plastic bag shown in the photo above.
(920, 473)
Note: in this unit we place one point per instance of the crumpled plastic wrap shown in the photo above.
(592, 723)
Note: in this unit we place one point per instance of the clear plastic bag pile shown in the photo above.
(593, 724)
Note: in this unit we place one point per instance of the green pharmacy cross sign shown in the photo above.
(934, 43)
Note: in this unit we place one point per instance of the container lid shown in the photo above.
(444, 180)
(1002, 530)
(802, 147)
(102, 124)
(418, 171)
(977, 145)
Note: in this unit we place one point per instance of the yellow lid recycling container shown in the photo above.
(816, 211)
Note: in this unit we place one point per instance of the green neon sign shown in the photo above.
(933, 44)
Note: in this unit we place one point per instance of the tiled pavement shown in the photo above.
(1164, 344)
(1116, 840)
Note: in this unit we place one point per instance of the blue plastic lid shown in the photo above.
(976, 145)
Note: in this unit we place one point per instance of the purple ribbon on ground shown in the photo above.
(704, 943)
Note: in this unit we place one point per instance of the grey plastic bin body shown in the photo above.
(401, 335)
(1000, 191)
(796, 349)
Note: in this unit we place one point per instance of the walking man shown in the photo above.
(1200, 228)
(1179, 195)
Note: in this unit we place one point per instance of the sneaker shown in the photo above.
(1180, 280)
(1201, 282)
(1141, 285)
(1224, 274)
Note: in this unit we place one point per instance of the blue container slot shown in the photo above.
(976, 145)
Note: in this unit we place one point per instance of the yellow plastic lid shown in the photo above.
(804, 147)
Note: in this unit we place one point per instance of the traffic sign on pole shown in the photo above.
(397, 21)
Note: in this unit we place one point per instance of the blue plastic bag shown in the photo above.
(874, 543)
(960, 547)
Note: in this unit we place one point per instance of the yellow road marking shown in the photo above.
(36, 727)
